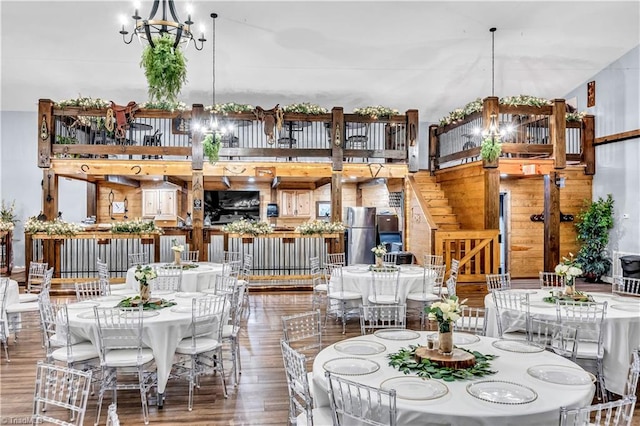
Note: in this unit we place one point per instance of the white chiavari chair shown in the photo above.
(512, 314)
(432, 277)
(498, 282)
(375, 317)
(90, 290)
(169, 278)
(136, 259)
(561, 339)
(472, 320)
(551, 281)
(303, 332)
(617, 413)
(191, 256)
(340, 302)
(4, 324)
(384, 286)
(626, 286)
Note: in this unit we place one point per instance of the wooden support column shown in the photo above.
(197, 154)
(412, 140)
(45, 132)
(588, 148)
(197, 216)
(433, 148)
(557, 133)
(491, 198)
(551, 222)
(490, 105)
(337, 138)
(50, 194)
(337, 246)
(92, 199)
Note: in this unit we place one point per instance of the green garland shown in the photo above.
(405, 361)
(126, 303)
(184, 266)
(577, 297)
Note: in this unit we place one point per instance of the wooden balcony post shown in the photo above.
(337, 138)
(197, 154)
(197, 217)
(557, 133)
(490, 105)
(433, 148)
(337, 245)
(45, 132)
(412, 139)
(49, 194)
(491, 198)
(587, 136)
(551, 222)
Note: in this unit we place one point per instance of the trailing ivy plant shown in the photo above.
(165, 68)
(490, 149)
(211, 146)
(405, 360)
(593, 226)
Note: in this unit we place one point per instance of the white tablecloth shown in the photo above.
(458, 407)
(161, 333)
(621, 331)
(358, 278)
(196, 279)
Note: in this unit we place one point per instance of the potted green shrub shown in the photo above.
(593, 226)
(490, 151)
(165, 68)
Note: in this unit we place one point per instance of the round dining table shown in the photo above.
(195, 277)
(523, 391)
(358, 278)
(621, 329)
(162, 329)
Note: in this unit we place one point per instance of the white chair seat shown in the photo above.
(27, 297)
(228, 331)
(587, 350)
(320, 287)
(321, 417)
(203, 344)
(384, 299)
(345, 295)
(18, 308)
(127, 357)
(62, 341)
(80, 352)
(242, 282)
(422, 297)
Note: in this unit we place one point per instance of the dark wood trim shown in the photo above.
(460, 155)
(617, 137)
(551, 222)
(525, 148)
(46, 129)
(337, 245)
(337, 138)
(557, 133)
(121, 150)
(491, 198)
(588, 146)
(92, 199)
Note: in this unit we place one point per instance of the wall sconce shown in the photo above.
(560, 181)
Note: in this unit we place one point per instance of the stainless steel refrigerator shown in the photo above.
(361, 234)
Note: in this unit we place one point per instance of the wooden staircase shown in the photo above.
(438, 204)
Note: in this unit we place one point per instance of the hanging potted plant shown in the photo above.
(165, 68)
(593, 226)
(211, 146)
(490, 152)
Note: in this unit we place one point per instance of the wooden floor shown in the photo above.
(260, 399)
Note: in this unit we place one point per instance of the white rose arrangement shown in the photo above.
(179, 248)
(379, 250)
(569, 268)
(446, 312)
(144, 274)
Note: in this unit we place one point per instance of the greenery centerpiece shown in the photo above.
(320, 227)
(305, 108)
(136, 226)
(445, 313)
(164, 105)
(593, 226)
(165, 68)
(83, 103)
(229, 108)
(376, 112)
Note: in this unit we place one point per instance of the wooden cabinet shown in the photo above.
(159, 202)
(295, 203)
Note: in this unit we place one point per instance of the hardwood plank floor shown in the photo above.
(261, 397)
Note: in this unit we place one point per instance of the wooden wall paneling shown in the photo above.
(45, 132)
(464, 188)
(551, 222)
(120, 192)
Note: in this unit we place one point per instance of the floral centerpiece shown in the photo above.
(8, 217)
(305, 108)
(229, 108)
(136, 226)
(144, 274)
(445, 313)
(569, 268)
(320, 227)
(379, 251)
(54, 227)
(376, 111)
(177, 251)
(244, 226)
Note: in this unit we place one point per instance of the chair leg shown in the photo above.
(6, 349)
(224, 382)
(602, 391)
(143, 395)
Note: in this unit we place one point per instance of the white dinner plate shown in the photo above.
(460, 338)
(627, 307)
(561, 375)
(360, 347)
(351, 366)
(519, 346)
(181, 309)
(161, 292)
(110, 298)
(85, 304)
(189, 294)
(397, 334)
(501, 392)
(417, 388)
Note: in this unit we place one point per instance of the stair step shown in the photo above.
(444, 218)
(440, 210)
(448, 226)
(438, 202)
(429, 195)
(429, 186)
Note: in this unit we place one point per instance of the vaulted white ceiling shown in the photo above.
(429, 55)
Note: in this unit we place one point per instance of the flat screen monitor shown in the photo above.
(228, 206)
